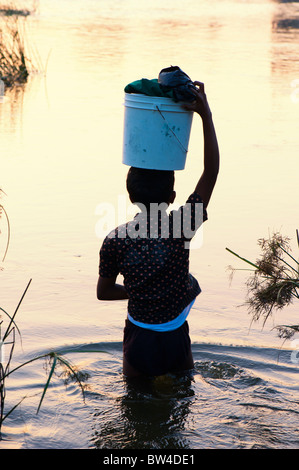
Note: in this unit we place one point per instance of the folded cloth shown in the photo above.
(149, 88)
(175, 79)
(172, 83)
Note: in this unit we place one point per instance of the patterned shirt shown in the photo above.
(152, 254)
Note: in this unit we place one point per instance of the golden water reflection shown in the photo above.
(61, 146)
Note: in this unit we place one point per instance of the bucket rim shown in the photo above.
(151, 102)
(150, 99)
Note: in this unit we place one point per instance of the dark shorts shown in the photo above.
(156, 353)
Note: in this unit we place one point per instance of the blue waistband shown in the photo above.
(168, 326)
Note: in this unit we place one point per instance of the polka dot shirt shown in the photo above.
(152, 254)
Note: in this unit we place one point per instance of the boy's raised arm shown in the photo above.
(208, 178)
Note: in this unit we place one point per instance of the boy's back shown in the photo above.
(151, 254)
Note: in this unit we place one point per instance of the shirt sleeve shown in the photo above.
(108, 258)
(189, 217)
(194, 199)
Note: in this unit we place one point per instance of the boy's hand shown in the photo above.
(200, 104)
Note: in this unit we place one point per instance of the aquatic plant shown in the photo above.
(8, 338)
(3, 211)
(54, 360)
(14, 68)
(274, 282)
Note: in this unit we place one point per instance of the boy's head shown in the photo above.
(146, 186)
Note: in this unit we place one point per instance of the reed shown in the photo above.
(3, 211)
(13, 61)
(274, 282)
(8, 338)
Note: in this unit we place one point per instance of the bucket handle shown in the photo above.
(185, 150)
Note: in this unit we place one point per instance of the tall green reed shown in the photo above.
(8, 341)
(3, 211)
(8, 338)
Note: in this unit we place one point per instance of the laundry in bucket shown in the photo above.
(178, 81)
(172, 83)
(148, 87)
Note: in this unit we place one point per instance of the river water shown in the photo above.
(61, 145)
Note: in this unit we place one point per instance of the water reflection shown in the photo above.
(11, 109)
(286, 16)
(286, 19)
(61, 152)
(285, 34)
(286, 1)
(287, 23)
(151, 415)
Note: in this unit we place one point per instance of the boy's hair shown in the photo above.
(148, 186)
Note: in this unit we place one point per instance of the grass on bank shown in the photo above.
(3, 211)
(15, 64)
(13, 60)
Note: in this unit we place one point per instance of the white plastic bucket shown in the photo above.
(156, 132)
